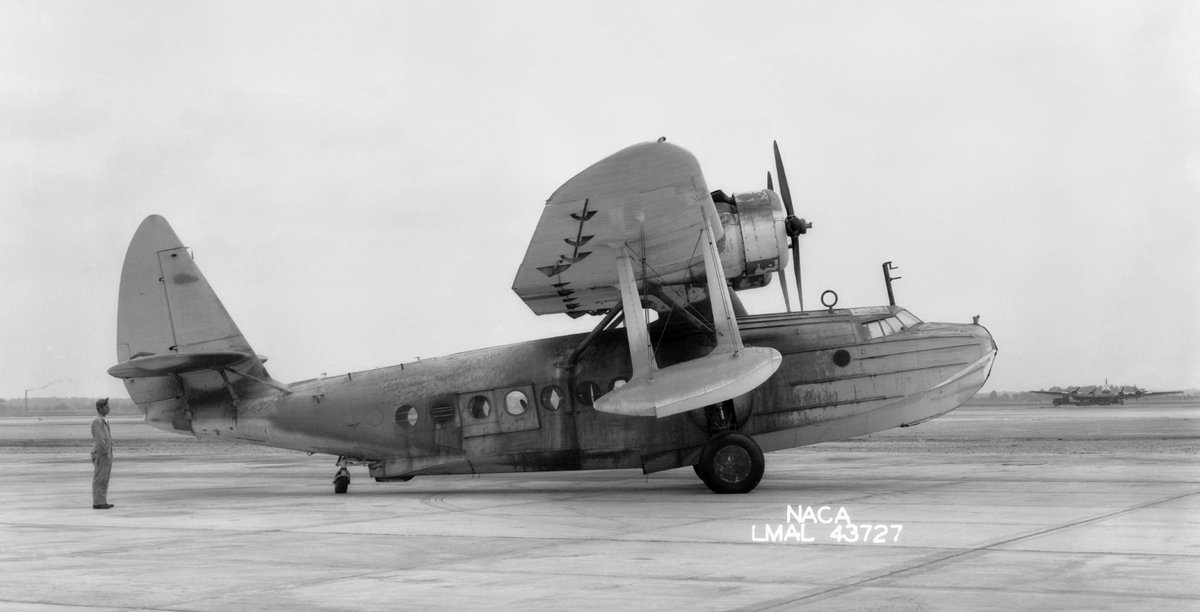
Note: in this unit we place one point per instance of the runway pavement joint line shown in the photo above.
(927, 565)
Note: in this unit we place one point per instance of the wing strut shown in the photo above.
(641, 352)
(730, 370)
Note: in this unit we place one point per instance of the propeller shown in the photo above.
(792, 224)
(787, 299)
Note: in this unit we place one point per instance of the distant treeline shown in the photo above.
(64, 406)
(1022, 397)
(86, 406)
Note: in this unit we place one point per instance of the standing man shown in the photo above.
(101, 457)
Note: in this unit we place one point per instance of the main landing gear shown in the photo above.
(731, 462)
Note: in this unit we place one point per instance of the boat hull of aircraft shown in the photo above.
(710, 388)
(517, 408)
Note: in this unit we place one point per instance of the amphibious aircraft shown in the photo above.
(1100, 395)
(705, 385)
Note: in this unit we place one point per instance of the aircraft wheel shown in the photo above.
(732, 462)
(341, 482)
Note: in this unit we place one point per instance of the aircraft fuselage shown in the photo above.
(1099, 400)
(523, 407)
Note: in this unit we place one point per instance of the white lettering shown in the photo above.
(794, 514)
(797, 535)
(823, 515)
(842, 516)
(754, 534)
(777, 533)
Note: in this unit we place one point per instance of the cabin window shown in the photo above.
(587, 392)
(406, 416)
(479, 407)
(516, 402)
(552, 397)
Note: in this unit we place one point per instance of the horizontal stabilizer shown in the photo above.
(164, 364)
(712, 379)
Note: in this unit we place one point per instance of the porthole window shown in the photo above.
(841, 358)
(406, 416)
(552, 397)
(586, 392)
(479, 407)
(516, 402)
(617, 383)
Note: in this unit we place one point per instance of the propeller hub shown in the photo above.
(796, 226)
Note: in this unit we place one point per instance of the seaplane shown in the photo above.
(675, 373)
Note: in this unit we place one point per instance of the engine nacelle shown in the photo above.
(756, 242)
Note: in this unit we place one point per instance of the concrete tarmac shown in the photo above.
(987, 508)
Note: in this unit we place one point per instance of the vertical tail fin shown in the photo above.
(175, 340)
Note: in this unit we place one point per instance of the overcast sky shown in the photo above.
(359, 181)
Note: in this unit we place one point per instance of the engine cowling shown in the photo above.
(756, 242)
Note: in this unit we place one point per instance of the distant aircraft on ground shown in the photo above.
(1100, 395)
(706, 385)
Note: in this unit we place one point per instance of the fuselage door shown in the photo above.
(495, 411)
(518, 408)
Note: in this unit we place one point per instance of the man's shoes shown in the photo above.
(102, 506)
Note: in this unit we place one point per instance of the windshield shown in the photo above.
(887, 326)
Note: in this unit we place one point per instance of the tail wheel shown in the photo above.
(731, 463)
(341, 482)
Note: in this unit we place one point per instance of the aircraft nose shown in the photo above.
(982, 333)
(987, 345)
(974, 330)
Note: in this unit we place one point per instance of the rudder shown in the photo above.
(175, 340)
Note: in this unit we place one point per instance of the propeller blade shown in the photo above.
(796, 262)
(769, 184)
(783, 184)
(787, 300)
(793, 225)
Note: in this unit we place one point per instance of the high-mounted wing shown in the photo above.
(639, 219)
(649, 199)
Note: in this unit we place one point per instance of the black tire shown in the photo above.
(341, 482)
(731, 463)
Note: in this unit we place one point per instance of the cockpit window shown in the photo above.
(891, 325)
(887, 326)
(874, 329)
(907, 318)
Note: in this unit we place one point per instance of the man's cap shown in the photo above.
(101, 402)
